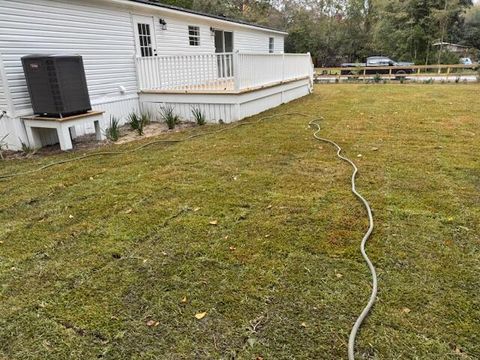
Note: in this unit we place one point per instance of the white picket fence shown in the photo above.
(221, 71)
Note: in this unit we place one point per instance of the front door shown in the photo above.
(144, 36)
(224, 49)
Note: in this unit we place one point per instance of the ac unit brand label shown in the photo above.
(34, 66)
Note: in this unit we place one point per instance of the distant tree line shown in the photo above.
(336, 31)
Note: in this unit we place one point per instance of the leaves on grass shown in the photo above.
(213, 222)
(128, 211)
(152, 323)
(232, 248)
(200, 316)
(406, 310)
(196, 209)
(184, 300)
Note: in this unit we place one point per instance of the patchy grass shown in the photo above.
(113, 257)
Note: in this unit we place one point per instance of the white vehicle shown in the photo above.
(466, 61)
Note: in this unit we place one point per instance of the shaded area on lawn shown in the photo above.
(92, 251)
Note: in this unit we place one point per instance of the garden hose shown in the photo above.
(366, 310)
(313, 123)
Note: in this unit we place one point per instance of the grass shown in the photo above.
(95, 250)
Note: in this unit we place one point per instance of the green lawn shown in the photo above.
(93, 251)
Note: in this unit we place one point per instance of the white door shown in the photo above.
(145, 41)
(224, 50)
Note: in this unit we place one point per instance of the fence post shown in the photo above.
(236, 71)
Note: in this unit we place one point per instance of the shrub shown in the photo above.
(377, 78)
(138, 122)
(3, 146)
(134, 121)
(402, 80)
(199, 116)
(27, 149)
(112, 132)
(167, 113)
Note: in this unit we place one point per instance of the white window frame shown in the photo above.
(271, 45)
(150, 48)
(194, 35)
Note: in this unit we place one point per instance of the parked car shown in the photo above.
(378, 62)
(466, 61)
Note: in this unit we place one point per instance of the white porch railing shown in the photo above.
(221, 72)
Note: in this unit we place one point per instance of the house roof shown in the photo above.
(199, 13)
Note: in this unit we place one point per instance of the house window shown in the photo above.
(194, 35)
(145, 39)
(271, 45)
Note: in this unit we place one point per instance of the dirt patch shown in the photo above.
(153, 129)
(88, 141)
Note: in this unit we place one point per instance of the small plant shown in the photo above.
(27, 149)
(112, 132)
(138, 122)
(199, 116)
(3, 146)
(457, 79)
(377, 78)
(133, 120)
(167, 113)
(402, 80)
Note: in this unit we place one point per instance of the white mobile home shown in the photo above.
(140, 54)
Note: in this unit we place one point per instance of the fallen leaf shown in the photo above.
(406, 310)
(152, 323)
(200, 316)
(196, 209)
(339, 275)
(269, 206)
(267, 236)
(128, 211)
(303, 324)
(374, 148)
(213, 222)
(184, 300)
(359, 155)
(232, 248)
(70, 216)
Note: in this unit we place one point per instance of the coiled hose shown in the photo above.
(313, 123)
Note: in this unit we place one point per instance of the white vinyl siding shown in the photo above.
(102, 35)
(102, 32)
(3, 97)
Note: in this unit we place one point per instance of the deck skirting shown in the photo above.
(226, 106)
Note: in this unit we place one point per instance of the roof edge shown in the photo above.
(199, 13)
